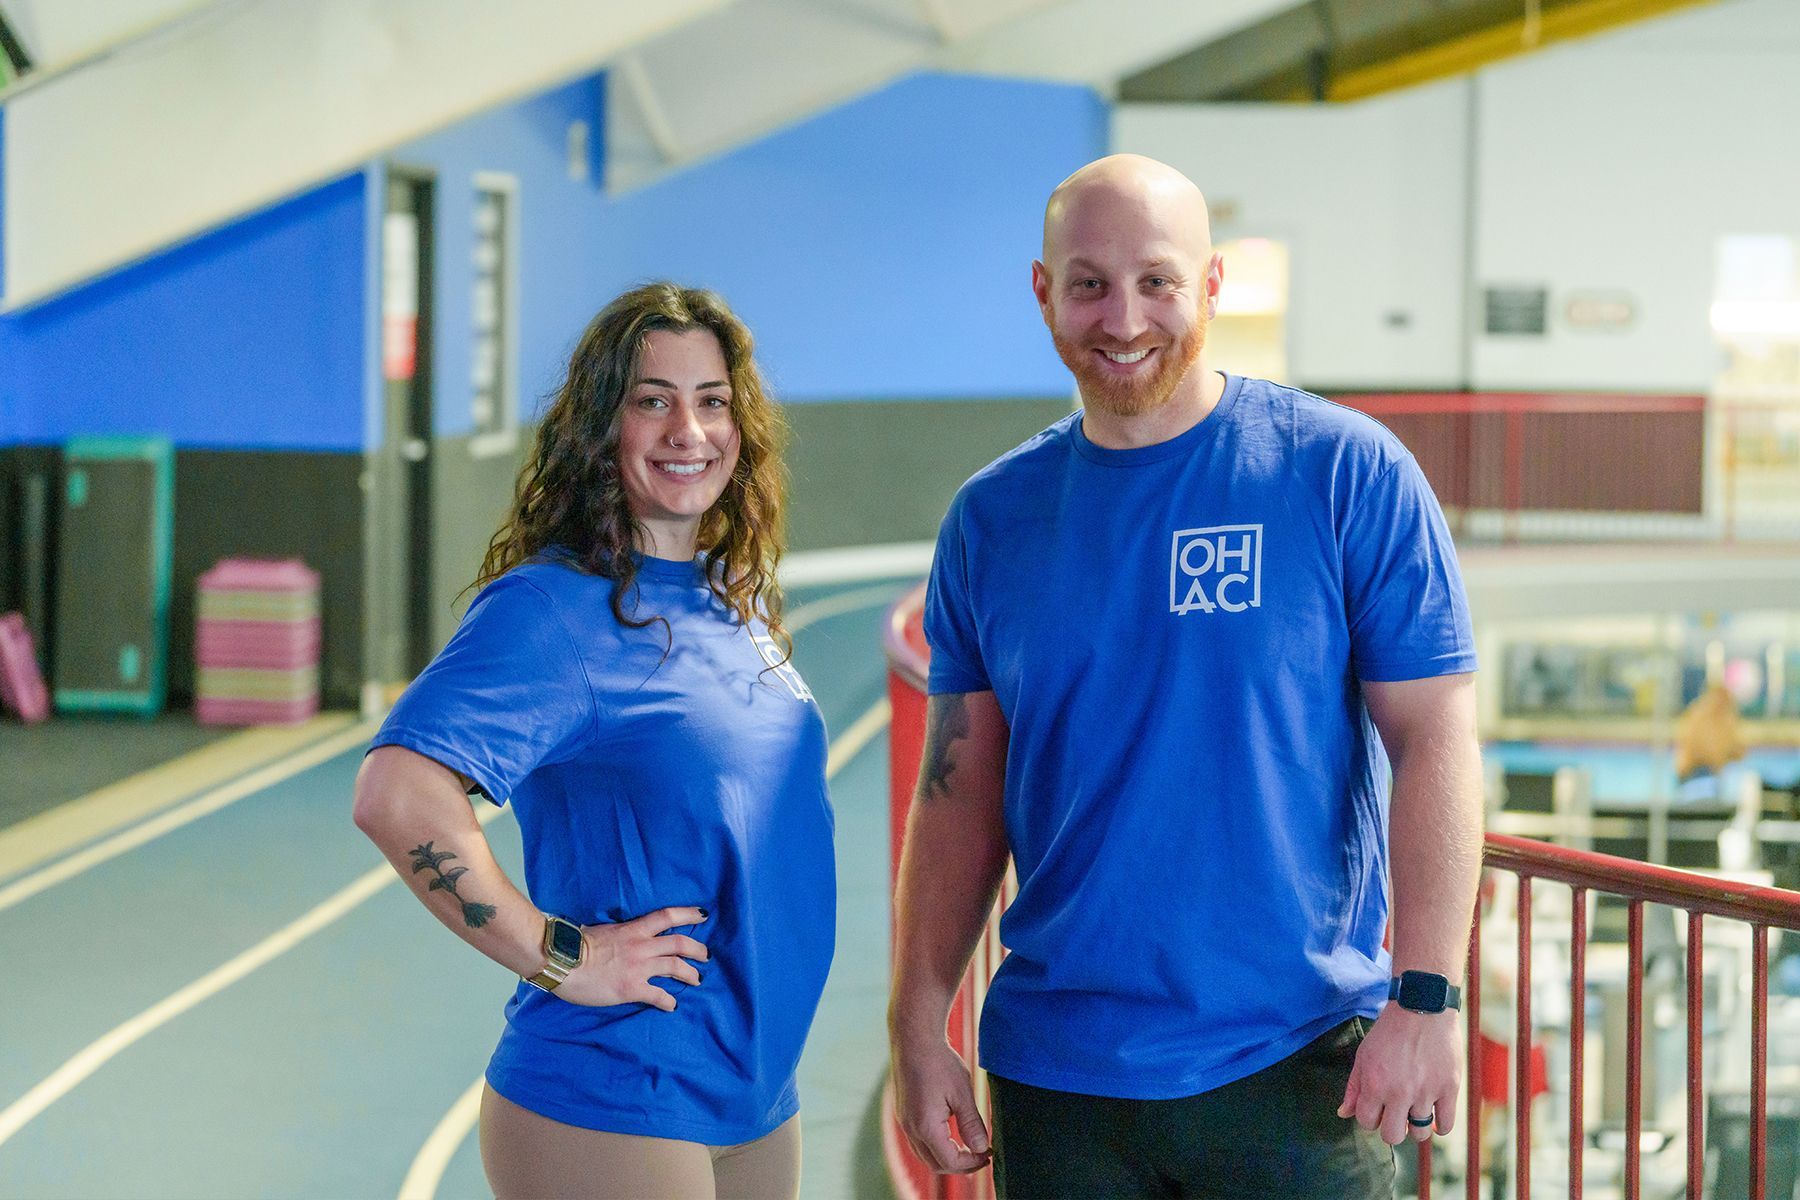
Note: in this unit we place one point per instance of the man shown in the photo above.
(1164, 633)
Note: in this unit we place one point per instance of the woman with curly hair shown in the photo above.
(622, 679)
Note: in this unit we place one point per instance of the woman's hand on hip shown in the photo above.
(621, 959)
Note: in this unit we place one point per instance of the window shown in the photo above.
(493, 311)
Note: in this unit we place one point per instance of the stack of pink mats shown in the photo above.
(257, 647)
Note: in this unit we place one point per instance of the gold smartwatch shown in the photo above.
(563, 947)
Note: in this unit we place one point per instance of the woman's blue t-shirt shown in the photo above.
(641, 782)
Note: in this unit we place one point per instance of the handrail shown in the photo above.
(1582, 871)
(1645, 881)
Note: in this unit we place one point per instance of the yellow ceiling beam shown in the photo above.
(1469, 51)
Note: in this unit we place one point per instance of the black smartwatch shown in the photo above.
(1424, 992)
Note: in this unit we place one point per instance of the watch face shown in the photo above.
(1422, 991)
(565, 940)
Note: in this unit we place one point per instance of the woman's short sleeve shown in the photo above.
(507, 695)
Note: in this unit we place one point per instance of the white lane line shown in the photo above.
(57, 872)
(851, 563)
(64, 869)
(843, 602)
(28, 844)
(427, 1170)
(84, 1064)
(66, 1077)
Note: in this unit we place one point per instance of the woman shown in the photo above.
(622, 680)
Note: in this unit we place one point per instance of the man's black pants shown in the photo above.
(1274, 1135)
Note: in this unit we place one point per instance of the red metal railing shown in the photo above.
(1699, 896)
(1510, 452)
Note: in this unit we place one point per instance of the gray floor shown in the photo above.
(44, 765)
(323, 1070)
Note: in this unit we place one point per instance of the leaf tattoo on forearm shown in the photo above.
(425, 858)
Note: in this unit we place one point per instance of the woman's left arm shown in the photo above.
(417, 812)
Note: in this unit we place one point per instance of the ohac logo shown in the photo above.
(784, 671)
(1216, 568)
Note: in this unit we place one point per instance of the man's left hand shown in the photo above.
(1409, 1064)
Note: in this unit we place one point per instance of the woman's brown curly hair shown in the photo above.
(570, 493)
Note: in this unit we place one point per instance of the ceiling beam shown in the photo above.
(1344, 50)
(1532, 30)
(761, 65)
(254, 109)
(1099, 42)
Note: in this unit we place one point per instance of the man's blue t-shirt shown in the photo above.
(1196, 798)
(641, 782)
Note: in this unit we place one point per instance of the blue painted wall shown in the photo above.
(881, 250)
(249, 337)
(884, 249)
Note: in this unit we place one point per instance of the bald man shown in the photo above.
(1164, 635)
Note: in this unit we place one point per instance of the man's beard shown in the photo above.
(1131, 397)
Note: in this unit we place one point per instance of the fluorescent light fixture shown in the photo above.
(1251, 300)
(1756, 318)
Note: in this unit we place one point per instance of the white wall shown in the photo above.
(266, 100)
(1616, 165)
(1369, 198)
(1609, 165)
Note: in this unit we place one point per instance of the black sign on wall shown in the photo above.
(1517, 311)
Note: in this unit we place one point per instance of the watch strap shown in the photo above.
(548, 979)
(558, 965)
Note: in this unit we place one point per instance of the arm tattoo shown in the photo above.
(949, 724)
(425, 858)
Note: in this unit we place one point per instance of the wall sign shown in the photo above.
(1606, 312)
(1517, 311)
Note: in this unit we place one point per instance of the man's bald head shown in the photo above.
(1150, 196)
(1128, 283)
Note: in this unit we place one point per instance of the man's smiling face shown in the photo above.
(1126, 286)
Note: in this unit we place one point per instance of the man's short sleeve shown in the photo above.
(507, 694)
(1403, 593)
(956, 664)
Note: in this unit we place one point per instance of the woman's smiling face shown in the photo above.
(678, 443)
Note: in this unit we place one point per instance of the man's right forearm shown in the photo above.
(954, 859)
